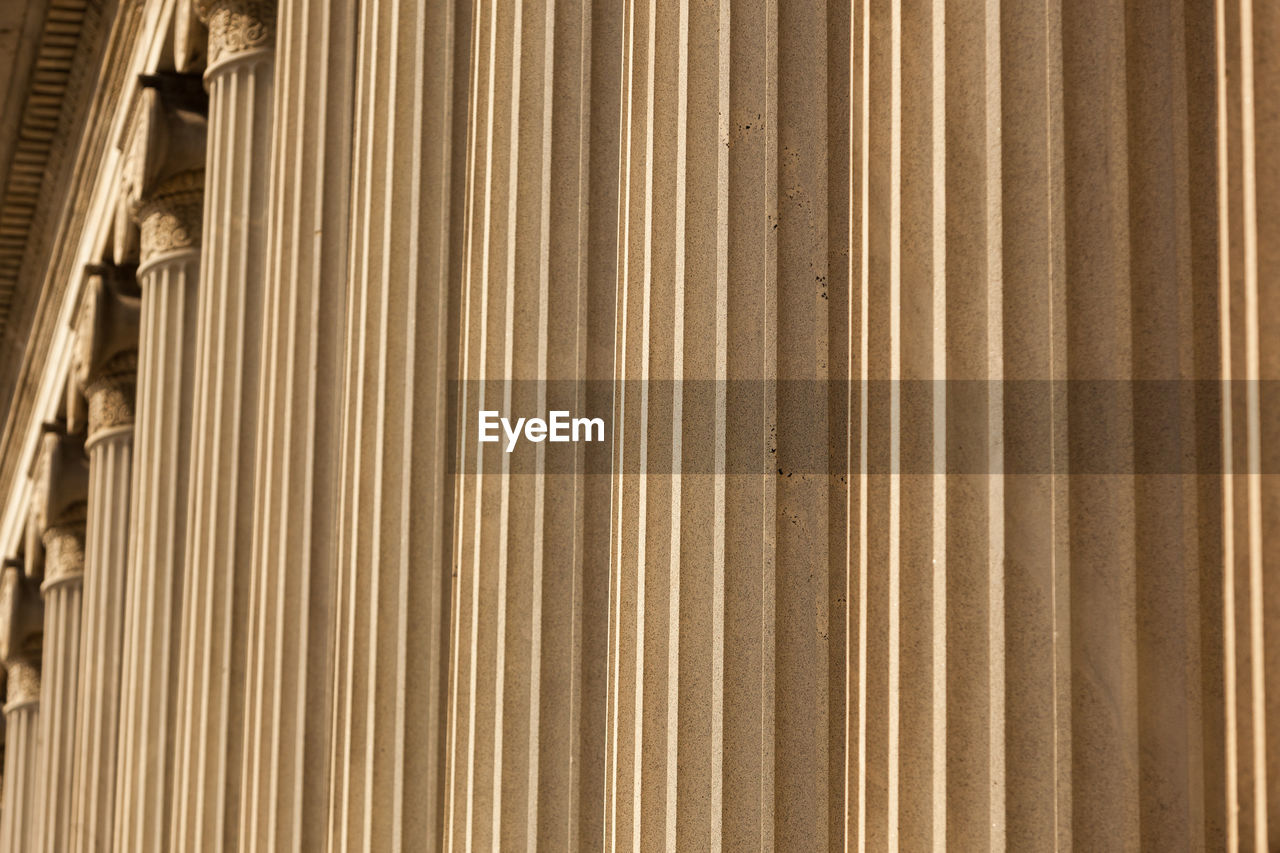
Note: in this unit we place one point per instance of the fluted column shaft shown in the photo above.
(21, 629)
(1032, 632)
(63, 590)
(21, 743)
(106, 547)
(60, 525)
(285, 793)
(394, 500)
(1248, 90)
(727, 591)
(164, 193)
(526, 703)
(108, 358)
(211, 702)
(166, 369)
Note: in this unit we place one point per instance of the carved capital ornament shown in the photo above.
(60, 504)
(106, 356)
(163, 180)
(21, 632)
(237, 27)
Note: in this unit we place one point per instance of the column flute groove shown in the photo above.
(105, 367)
(59, 529)
(289, 696)
(21, 630)
(527, 699)
(728, 586)
(1035, 669)
(1248, 90)
(227, 374)
(390, 668)
(164, 188)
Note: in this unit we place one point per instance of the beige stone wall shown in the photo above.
(925, 518)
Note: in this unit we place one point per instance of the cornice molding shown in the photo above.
(52, 106)
(50, 281)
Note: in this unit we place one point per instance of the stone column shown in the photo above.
(394, 503)
(531, 537)
(21, 626)
(105, 370)
(1248, 89)
(727, 597)
(59, 508)
(1033, 616)
(211, 700)
(164, 184)
(291, 615)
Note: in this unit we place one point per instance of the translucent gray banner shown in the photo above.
(837, 428)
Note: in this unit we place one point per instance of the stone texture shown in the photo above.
(1036, 668)
(530, 556)
(21, 627)
(1249, 177)
(395, 501)
(106, 372)
(727, 588)
(166, 204)
(924, 519)
(213, 650)
(291, 615)
(58, 525)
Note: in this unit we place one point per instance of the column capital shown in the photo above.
(106, 354)
(23, 684)
(171, 217)
(63, 553)
(59, 504)
(21, 630)
(163, 177)
(237, 27)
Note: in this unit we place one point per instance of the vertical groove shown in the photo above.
(721, 610)
(211, 728)
(1249, 246)
(158, 518)
(58, 689)
(98, 700)
(523, 698)
(20, 624)
(22, 723)
(393, 481)
(288, 701)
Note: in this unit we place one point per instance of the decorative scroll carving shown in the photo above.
(21, 631)
(112, 396)
(163, 178)
(171, 218)
(64, 551)
(60, 503)
(238, 26)
(106, 357)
